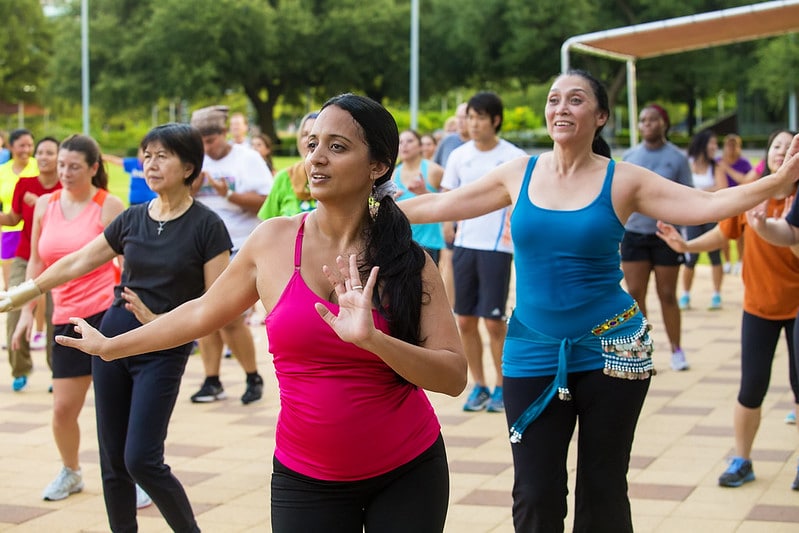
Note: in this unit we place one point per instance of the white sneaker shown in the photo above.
(678, 361)
(142, 498)
(67, 482)
(38, 341)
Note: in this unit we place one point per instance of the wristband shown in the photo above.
(228, 194)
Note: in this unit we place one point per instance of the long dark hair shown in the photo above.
(698, 146)
(91, 154)
(389, 243)
(599, 145)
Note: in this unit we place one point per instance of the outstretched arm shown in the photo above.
(665, 200)
(232, 293)
(495, 190)
(707, 242)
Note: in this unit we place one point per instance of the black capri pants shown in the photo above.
(410, 498)
(759, 337)
(607, 409)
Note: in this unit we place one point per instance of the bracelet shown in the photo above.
(228, 194)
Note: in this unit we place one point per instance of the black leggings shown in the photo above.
(759, 337)
(607, 409)
(413, 497)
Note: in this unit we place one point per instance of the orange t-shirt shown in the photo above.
(770, 273)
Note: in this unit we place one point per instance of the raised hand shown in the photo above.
(354, 322)
(789, 170)
(672, 237)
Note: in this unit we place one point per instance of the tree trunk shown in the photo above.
(265, 109)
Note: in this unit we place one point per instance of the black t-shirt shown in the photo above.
(166, 270)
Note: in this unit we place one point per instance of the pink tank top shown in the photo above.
(344, 414)
(93, 292)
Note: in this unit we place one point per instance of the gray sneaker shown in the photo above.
(67, 482)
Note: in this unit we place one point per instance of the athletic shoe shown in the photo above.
(209, 393)
(19, 383)
(736, 268)
(678, 361)
(795, 484)
(254, 391)
(142, 498)
(727, 268)
(478, 399)
(739, 472)
(67, 482)
(684, 302)
(38, 341)
(715, 303)
(790, 418)
(496, 404)
(228, 354)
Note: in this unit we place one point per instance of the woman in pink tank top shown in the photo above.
(359, 324)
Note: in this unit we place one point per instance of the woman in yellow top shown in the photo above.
(21, 165)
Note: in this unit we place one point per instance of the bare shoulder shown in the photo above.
(276, 230)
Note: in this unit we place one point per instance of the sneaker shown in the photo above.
(684, 302)
(142, 498)
(38, 341)
(496, 404)
(478, 399)
(67, 482)
(254, 391)
(727, 268)
(715, 303)
(228, 353)
(209, 393)
(678, 361)
(790, 418)
(795, 484)
(736, 268)
(739, 472)
(19, 383)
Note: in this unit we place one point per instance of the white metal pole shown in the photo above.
(414, 89)
(84, 49)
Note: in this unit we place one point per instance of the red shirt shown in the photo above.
(18, 205)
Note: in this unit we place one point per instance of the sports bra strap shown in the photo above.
(298, 243)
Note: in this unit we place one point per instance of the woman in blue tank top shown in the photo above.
(575, 333)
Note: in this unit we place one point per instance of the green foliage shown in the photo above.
(776, 70)
(25, 47)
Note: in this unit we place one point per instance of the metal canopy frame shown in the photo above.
(682, 34)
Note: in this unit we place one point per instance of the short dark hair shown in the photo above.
(17, 133)
(488, 103)
(182, 140)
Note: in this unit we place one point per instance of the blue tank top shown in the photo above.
(568, 275)
(430, 236)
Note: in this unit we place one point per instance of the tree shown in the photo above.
(25, 48)
(776, 71)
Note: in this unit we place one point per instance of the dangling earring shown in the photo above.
(374, 203)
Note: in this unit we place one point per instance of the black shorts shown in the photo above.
(482, 280)
(70, 362)
(650, 248)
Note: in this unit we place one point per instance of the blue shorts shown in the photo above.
(482, 281)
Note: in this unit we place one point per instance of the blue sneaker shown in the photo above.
(790, 418)
(496, 404)
(685, 301)
(739, 472)
(715, 302)
(19, 383)
(478, 399)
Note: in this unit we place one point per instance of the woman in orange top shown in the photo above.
(771, 299)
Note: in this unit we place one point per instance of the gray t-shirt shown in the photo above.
(667, 161)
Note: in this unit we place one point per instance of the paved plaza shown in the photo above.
(222, 451)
